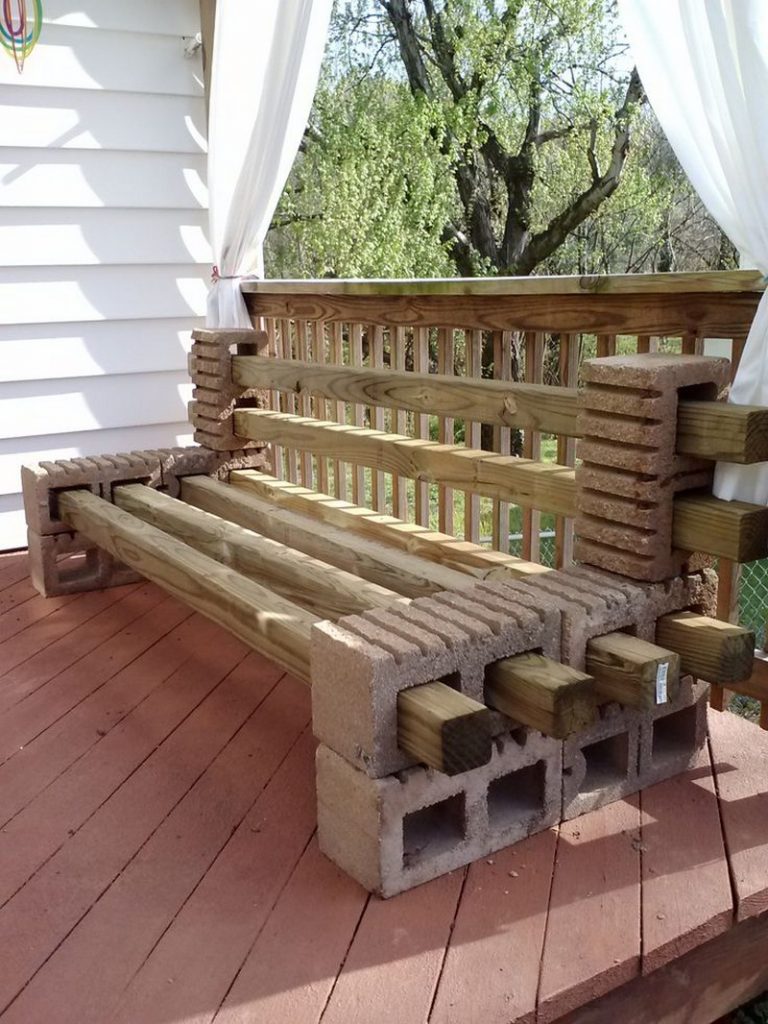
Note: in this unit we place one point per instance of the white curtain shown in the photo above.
(266, 62)
(704, 65)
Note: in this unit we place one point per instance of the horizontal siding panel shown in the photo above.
(13, 527)
(17, 452)
(40, 237)
(79, 58)
(35, 408)
(54, 351)
(169, 17)
(99, 178)
(82, 119)
(33, 295)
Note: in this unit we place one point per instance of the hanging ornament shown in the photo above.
(20, 25)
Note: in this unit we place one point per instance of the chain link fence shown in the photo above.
(753, 598)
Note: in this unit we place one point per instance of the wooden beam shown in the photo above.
(632, 671)
(278, 628)
(709, 649)
(398, 571)
(734, 530)
(444, 729)
(709, 430)
(505, 477)
(541, 693)
(315, 585)
(501, 403)
(463, 556)
(706, 524)
(756, 685)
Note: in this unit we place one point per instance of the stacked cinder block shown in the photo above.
(215, 395)
(630, 472)
(392, 824)
(64, 562)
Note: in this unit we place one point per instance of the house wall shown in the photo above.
(104, 258)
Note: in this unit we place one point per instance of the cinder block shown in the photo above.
(215, 394)
(628, 750)
(361, 663)
(67, 563)
(629, 471)
(671, 735)
(601, 764)
(40, 483)
(393, 833)
(176, 463)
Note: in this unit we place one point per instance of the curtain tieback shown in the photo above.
(216, 276)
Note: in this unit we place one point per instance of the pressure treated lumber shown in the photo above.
(632, 672)
(535, 690)
(756, 685)
(321, 588)
(274, 626)
(463, 556)
(710, 430)
(278, 628)
(401, 572)
(734, 530)
(443, 728)
(709, 649)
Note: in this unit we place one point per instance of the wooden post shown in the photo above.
(541, 693)
(443, 728)
(709, 649)
(631, 671)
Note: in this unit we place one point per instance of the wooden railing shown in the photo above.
(535, 330)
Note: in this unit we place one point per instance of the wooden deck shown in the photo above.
(158, 860)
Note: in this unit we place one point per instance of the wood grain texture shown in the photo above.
(397, 570)
(443, 728)
(710, 430)
(626, 670)
(705, 524)
(278, 628)
(593, 930)
(686, 889)
(709, 649)
(740, 760)
(318, 586)
(462, 556)
(541, 693)
(665, 313)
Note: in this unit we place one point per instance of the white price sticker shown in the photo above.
(661, 682)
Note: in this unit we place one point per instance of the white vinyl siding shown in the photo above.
(104, 257)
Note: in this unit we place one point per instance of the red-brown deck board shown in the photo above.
(158, 857)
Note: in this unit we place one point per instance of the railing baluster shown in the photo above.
(321, 356)
(340, 411)
(534, 374)
(566, 446)
(473, 342)
(502, 370)
(421, 422)
(274, 396)
(445, 434)
(376, 413)
(289, 401)
(359, 496)
(305, 402)
(399, 483)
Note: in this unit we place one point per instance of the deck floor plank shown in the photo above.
(41, 761)
(687, 895)
(137, 622)
(36, 655)
(394, 963)
(14, 566)
(159, 862)
(49, 906)
(500, 922)
(740, 760)
(210, 938)
(315, 918)
(200, 827)
(592, 942)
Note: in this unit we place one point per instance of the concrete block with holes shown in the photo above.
(393, 833)
(629, 471)
(628, 750)
(216, 395)
(360, 664)
(62, 561)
